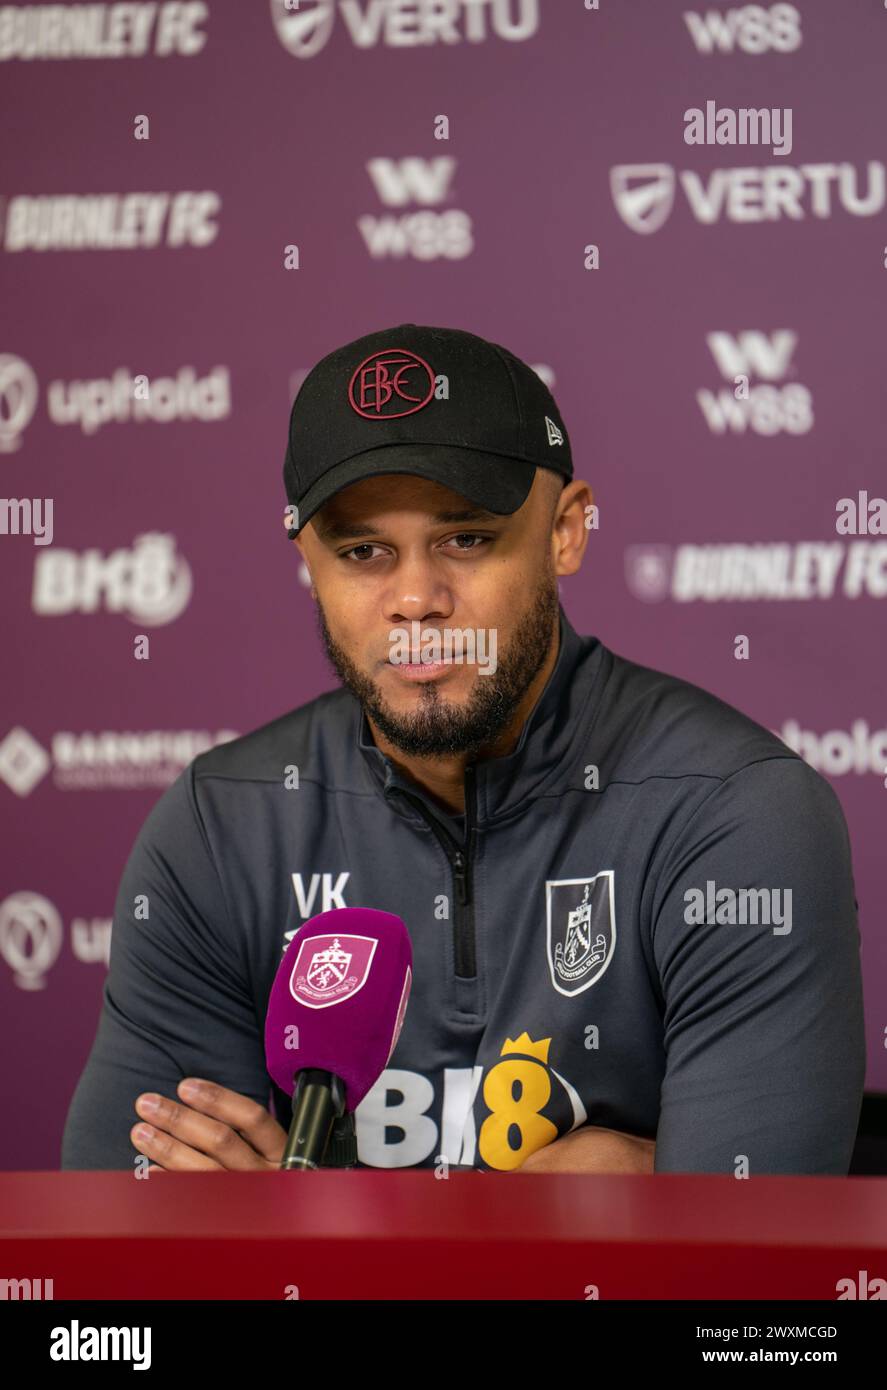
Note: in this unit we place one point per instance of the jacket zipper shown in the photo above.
(460, 862)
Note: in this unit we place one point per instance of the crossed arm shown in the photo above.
(215, 1129)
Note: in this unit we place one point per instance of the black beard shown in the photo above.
(440, 727)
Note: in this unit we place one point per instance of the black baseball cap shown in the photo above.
(438, 402)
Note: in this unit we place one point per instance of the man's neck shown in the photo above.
(443, 778)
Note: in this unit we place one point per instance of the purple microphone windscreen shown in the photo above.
(339, 998)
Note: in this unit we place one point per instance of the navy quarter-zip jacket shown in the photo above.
(576, 956)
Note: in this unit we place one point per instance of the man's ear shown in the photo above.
(570, 533)
(297, 540)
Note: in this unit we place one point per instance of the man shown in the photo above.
(631, 907)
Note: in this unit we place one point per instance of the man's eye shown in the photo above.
(469, 536)
(363, 552)
(352, 553)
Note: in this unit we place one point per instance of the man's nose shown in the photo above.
(418, 591)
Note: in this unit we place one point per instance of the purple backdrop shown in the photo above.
(294, 193)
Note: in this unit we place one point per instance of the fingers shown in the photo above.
(180, 1137)
(258, 1127)
(169, 1153)
(211, 1120)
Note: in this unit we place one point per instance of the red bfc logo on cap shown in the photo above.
(389, 379)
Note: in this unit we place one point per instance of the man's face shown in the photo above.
(396, 550)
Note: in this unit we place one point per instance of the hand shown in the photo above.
(216, 1129)
(592, 1149)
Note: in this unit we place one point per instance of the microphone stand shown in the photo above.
(322, 1131)
(341, 1150)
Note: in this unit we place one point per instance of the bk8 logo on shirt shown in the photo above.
(492, 1117)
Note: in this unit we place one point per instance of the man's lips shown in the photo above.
(420, 670)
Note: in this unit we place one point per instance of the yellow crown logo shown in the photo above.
(525, 1044)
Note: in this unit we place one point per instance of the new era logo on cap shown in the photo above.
(554, 434)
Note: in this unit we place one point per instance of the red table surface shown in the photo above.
(407, 1234)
